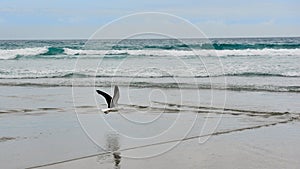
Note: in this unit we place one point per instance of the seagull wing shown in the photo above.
(106, 96)
(115, 97)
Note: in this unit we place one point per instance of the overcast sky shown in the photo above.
(65, 19)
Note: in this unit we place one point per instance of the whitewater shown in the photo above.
(250, 64)
(67, 52)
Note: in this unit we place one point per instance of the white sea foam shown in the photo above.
(247, 52)
(13, 53)
(84, 52)
(292, 74)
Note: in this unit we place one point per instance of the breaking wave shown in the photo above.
(56, 53)
(247, 52)
(15, 53)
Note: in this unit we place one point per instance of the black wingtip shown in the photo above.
(107, 97)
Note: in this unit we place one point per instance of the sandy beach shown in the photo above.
(40, 129)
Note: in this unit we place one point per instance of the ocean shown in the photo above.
(249, 64)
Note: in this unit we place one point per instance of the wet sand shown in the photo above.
(260, 148)
(40, 129)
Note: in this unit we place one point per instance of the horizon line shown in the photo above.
(221, 37)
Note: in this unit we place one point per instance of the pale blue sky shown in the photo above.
(65, 19)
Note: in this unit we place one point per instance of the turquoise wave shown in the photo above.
(17, 49)
(54, 51)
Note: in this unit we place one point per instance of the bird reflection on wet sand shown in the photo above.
(113, 145)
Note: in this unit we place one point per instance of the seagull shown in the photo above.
(111, 101)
